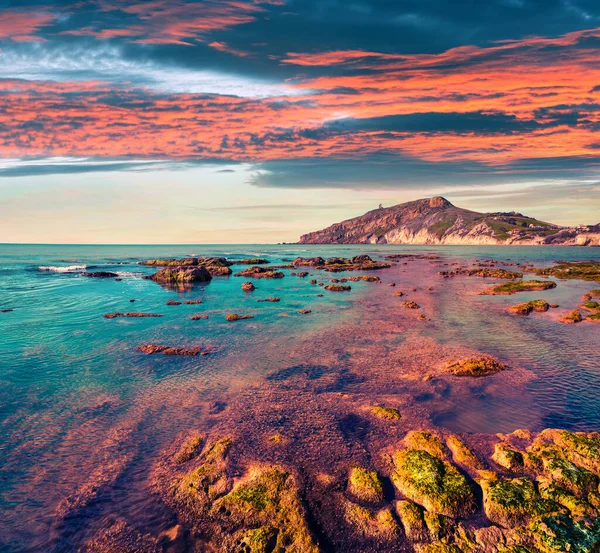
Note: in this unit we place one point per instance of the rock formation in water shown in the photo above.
(437, 221)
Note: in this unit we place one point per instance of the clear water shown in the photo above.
(68, 376)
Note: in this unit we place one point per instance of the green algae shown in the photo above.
(590, 305)
(425, 441)
(435, 484)
(582, 270)
(509, 288)
(507, 457)
(385, 413)
(257, 540)
(558, 532)
(413, 521)
(511, 503)
(365, 485)
(572, 317)
(268, 496)
(476, 367)
(526, 308)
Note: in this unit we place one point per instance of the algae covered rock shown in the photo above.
(507, 457)
(509, 288)
(435, 484)
(189, 450)
(425, 441)
(170, 275)
(411, 516)
(463, 454)
(511, 503)
(385, 413)
(476, 367)
(365, 485)
(572, 317)
(381, 525)
(268, 497)
(526, 308)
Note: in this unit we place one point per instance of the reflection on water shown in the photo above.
(75, 395)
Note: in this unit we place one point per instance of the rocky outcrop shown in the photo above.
(180, 275)
(437, 221)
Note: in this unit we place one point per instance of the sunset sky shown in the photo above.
(172, 121)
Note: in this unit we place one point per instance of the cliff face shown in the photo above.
(437, 221)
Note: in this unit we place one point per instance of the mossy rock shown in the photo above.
(565, 473)
(189, 450)
(462, 454)
(572, 317)
(507, 457)
(509, 288)
(558, 532)
(381, 525)
(590, 306)
(413, 521)
(581, 448)
(365, 485)
(386, 413)
(437, 525)
(476, 367)
(198, 488)
(268, 496)
(511, 503)
(527, 307)
(578, 508)
(425, 441)
(595, 317)
(435, 484)
(257, 540)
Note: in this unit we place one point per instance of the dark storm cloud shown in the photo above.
(397, 172)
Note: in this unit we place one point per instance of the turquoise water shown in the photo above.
(68, 375)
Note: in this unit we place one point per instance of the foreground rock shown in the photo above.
(216, 266)
(181, 275)
(476, 367)
(152, 349)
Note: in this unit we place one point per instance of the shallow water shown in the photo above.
(73, 389)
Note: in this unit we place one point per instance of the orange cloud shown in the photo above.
(544, 92)
(21, 26)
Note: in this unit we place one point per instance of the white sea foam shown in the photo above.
(64, 269)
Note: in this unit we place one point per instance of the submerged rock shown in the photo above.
(269, 300)
(152, 349)
(121, 538)
(131, 315)
(476, 367)
(99, 274)
(411, 305)
(235, 317)
(173, 302)
(338, 288)
(304, 311)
